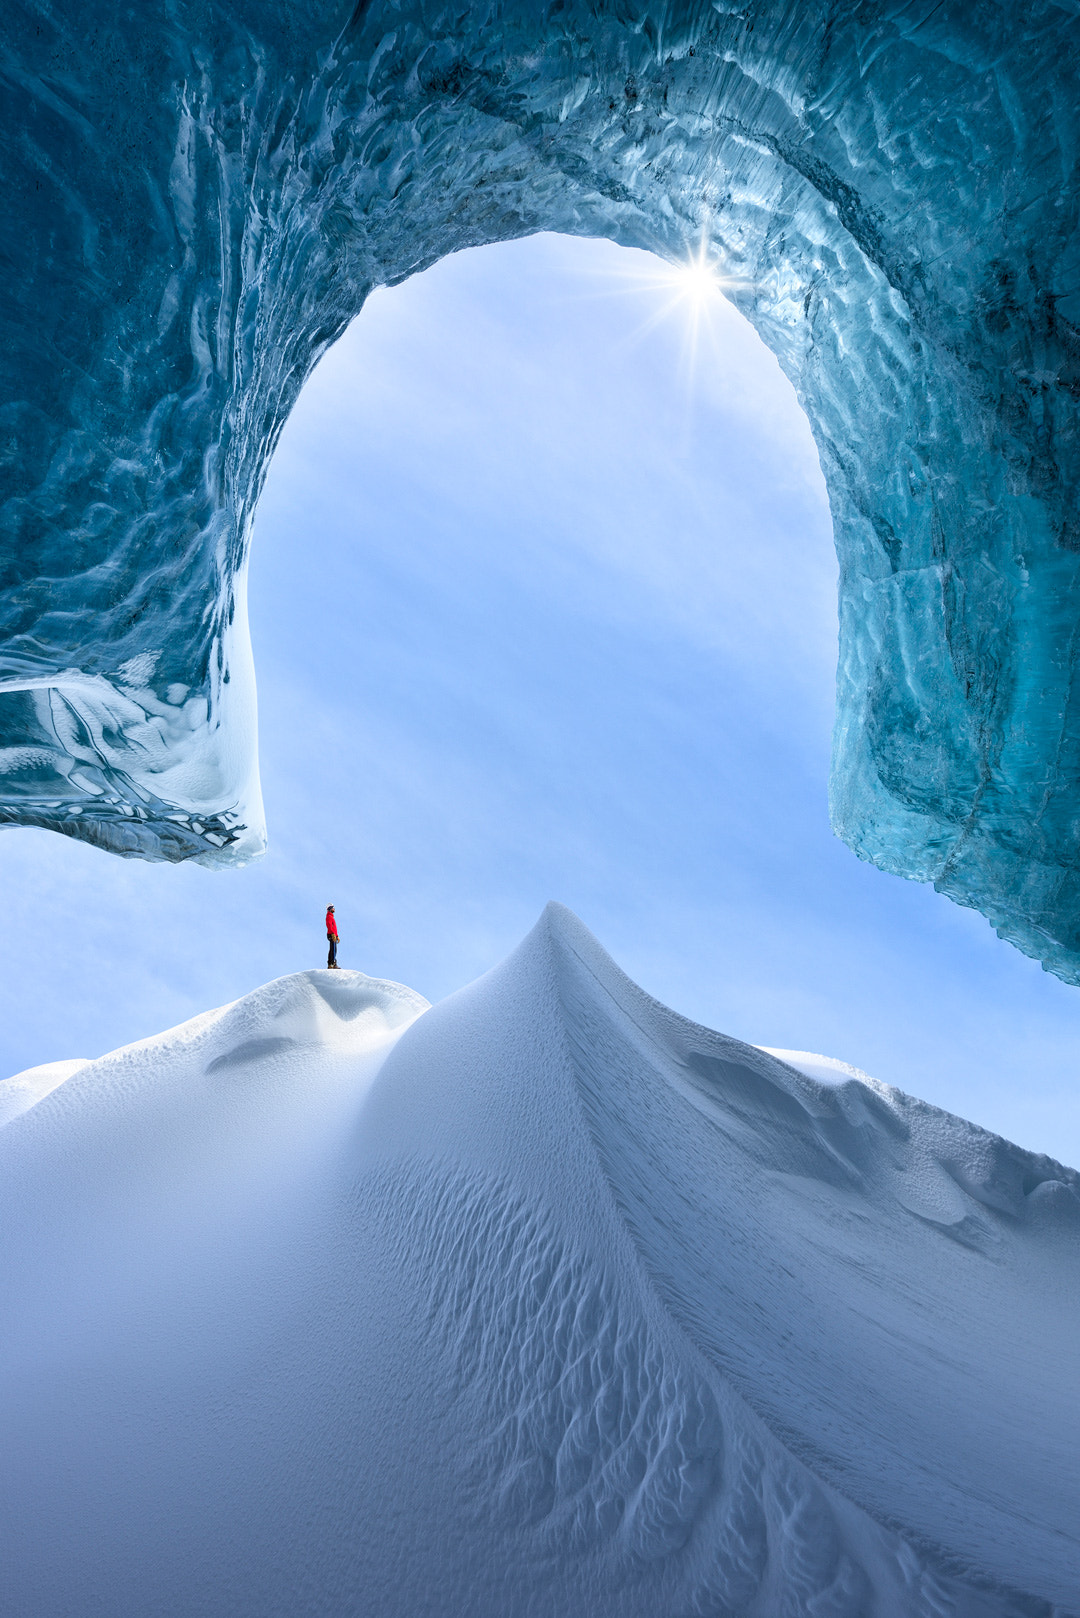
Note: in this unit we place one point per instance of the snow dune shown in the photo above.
(542, 1301)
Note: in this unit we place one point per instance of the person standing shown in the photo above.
(332, 940)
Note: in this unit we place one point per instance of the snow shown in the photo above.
(543, 1300)
(825, 1069)
(26, 1089)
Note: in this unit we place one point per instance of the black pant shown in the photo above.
(331, 954)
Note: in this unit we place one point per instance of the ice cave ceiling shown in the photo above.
(200, 196)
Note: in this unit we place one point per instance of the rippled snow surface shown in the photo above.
(540, 1301)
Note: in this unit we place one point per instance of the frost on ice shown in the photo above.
(198, 201)
(540, 1301)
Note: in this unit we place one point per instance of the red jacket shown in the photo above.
(331, 925)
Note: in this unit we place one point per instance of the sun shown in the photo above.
(689, 289)
(695, 278)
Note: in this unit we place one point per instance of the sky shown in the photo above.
(543, 607)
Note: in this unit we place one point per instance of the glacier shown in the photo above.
(542, 1300)
(201, 196)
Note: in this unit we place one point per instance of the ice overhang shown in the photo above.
(198, 209)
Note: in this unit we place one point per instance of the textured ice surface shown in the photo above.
(198, 198)
(544, 1301)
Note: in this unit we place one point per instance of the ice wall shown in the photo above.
(199, 198)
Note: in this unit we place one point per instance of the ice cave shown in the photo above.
(199, 205)
(199, 200)
(544, 1300)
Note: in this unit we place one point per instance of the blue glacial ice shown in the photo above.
(542, 1301)
(200, 197)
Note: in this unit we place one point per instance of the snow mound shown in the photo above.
(26, 1089)
(546, 1301)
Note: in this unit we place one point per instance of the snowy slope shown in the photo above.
(544, 1302)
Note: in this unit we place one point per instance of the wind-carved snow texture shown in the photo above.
(544, 1301)
(199, 200)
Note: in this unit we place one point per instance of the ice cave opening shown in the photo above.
(564, 624)
(534, 445)
(201, 205)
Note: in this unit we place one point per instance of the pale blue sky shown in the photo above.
(544, 609)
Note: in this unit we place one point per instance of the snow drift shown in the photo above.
(541, 1301)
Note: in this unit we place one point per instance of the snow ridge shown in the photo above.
(540, 1301)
